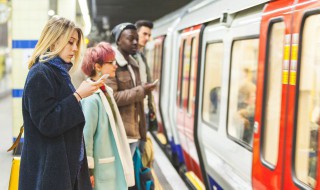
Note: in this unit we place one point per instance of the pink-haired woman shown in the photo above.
(108, 152)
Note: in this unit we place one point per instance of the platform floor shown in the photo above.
(166, 177)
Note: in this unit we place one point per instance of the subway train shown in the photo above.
(238, 102)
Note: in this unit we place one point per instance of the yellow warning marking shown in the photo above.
(162, 138)
(196, 182)
(285, 77)
(286, 52)
(14, 177)
(293, 76)
(294, 52)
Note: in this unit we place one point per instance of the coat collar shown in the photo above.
(122, 61)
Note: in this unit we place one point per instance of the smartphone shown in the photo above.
(104, 77)
(155, 82)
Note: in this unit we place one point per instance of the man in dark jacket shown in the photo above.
(144, 28)
(128, 90)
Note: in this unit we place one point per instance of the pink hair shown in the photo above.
(99, 54)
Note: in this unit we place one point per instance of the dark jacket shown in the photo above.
(53, 122)
(129, 97)
(149, 80)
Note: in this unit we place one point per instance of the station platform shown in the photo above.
(165, 176)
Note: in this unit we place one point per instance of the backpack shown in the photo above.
(143, 175)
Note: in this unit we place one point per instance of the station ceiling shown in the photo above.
(108, 13)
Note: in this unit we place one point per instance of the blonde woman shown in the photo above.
(53, 155)
(107, 147)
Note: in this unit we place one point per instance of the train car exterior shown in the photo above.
(244, 94)
(286, 139)
(160, 56)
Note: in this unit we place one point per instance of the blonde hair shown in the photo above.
(57, 29)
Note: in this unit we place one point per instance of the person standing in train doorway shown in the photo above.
(144, 28)
(129, 93)
(53, 154)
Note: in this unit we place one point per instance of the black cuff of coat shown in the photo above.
(91, 172)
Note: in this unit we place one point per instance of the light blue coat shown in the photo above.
(106, 142)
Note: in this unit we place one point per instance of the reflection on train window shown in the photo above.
(193, 75)
(308, 103)
(185, 74)
(272, 95)
(212, 83)
(242, 94)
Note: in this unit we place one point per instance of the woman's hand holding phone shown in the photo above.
(103, 78)
(87, 88)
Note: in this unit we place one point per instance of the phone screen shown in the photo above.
(155, 82)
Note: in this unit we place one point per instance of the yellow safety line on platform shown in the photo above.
(14, 177)
(162, 138)
(157, 185)
(196, 182)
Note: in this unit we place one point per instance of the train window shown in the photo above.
(273, 91)
(180, 75)
(242, 93)
(212, 84)
(185, 74)
(308, 111)
(156, 69)
(193, 74)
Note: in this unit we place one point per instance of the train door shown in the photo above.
(186, 92)
(301, 151)
(271, 135)
(213, 52)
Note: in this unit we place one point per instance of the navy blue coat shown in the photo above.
(53, 122)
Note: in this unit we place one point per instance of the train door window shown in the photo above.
(211, 97)
(156, 67)
(180, 75)
(154, 60)
(185, 73)
(308, 111)
(150, 56)
(242, 93)
(272, 93)
(193, 74)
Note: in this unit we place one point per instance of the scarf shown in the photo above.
(64, 68)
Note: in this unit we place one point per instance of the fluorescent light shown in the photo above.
(86, 17)
(51, 12)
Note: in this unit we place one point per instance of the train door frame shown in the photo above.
(264, 174)
(171, 55)
(185, 118)
(304, 9)
(227, 171)
(213, 33)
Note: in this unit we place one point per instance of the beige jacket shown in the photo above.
(129, 95)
